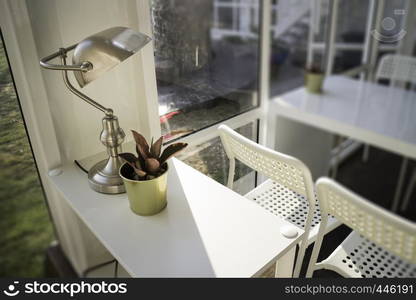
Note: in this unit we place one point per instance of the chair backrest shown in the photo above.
(397, 68)
(385, 229)
(283, 169)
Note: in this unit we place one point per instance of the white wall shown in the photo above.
(57, 23)
(61, 126)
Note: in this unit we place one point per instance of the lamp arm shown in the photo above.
(107, 111)
(83, 67)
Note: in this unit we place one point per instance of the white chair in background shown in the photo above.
(399, 70)
(381, 244)
(289, 192)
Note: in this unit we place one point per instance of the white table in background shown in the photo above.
(206, 230)
(375, 114)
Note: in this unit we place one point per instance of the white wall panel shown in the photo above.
(57, 23)
(61, 126)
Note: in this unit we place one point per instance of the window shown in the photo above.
(289, 32)
(207, 62)
(292, 42)
(211, 159)
(25, 225)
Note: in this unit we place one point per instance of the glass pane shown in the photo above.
(290, 30)
(289, 37)
(25, 227)
(206, 62)
(225, 18)
(210, 159)
(392, 27)
(351, 31)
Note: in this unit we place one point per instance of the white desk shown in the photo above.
(206, 230)
(375, 114)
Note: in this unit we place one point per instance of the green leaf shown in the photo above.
(138, 164)
(141, 143)
(129, 157)
(152, 165)
(142, 152)
(156, 148)
(140, 173)
(171, 150)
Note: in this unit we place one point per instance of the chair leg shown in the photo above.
(300, 257)
(399, 185)
(334, 171)
(366, 153)
(409, 190)
(284, 265)
(317, 247)
(334, 168)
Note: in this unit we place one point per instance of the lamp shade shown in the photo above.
(105, 50)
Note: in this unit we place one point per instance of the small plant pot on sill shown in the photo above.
(146, 197)
(314, 82)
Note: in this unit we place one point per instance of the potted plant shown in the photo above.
(145, 175)
(314, 78)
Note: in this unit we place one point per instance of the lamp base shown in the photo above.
(104, 176)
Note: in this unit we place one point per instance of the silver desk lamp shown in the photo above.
(92, 57)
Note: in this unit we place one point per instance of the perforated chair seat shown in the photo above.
(358, 257)
(289, 205)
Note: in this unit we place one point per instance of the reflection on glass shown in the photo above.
(289, 39)
(25, 227)
(291, 22)
(210, 158)
(206, 62)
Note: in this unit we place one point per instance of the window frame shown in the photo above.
(257, 115)
(239, 120)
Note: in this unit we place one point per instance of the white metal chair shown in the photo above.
(398, 69)
(381, 244)
(289, 192)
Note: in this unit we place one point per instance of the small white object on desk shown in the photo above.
(55, 172)
(289, 232)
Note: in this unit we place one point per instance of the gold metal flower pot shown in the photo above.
(146, 197)
(314, 82)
